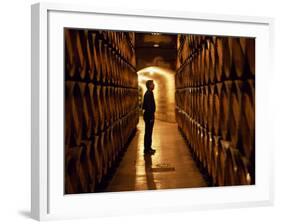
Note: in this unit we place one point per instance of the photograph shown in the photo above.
(154, 111)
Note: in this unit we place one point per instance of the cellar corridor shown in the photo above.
(170, 167)
(204, 130)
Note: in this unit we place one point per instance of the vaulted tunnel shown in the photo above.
(204, 127)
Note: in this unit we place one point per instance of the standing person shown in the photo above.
(148, 116)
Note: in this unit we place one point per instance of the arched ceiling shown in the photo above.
(156, 49)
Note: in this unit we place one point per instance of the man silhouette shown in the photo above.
(149, 109)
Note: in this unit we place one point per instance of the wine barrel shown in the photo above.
(243, 44)
(219, 58)
(187, 76)
(94, 98)
(197, 69)
(246, 177)
(128, 80)
(106, 73)
(215, 159)
(76, 113)
(124, 130)
(212, 66)
(193, 70)
(222, 163)
(120, 133)
(183, 100)
(191, 41)
(227, 56)
(205, 140)
(75, 178)
(114, 66)
(86, 111)
(209, 152)
(121, 72)
(238, 58)
(96, 58)
(250, 54)
(112, 104)
(211, 108)
(126, 100)
(248, 119)
(90, 44)
(182, 125)
(91, 163)
(183, 76)
(102, 73)
(192, 133)
(195, 42)
(70, 53)
(101, 106)
(196, 104)
(72, 179)
(201, 105)
(116, 101)
(217, 105)
(183, 53)
(225, 109)
(231, 168)
(107, 63)
(207, 62)
(202, 65)
(106, 106)
(202, 155)
(196, 139)
(112, 144)
(68, 112)
(116, 138)
(108, 148)
(192, 102)
(103, 153)
(81, 44)
(86, 170)
(205, 106)
(243, 175)
(121, 101)
(118, 75)
(235, 112)
(178, 84)
(185, 127)
(98, 163)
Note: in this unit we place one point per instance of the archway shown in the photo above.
(164, 92)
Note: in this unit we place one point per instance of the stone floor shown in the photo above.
(170, 167)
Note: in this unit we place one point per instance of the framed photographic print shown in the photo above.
(148, 111)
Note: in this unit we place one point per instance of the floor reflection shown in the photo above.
(170, 167)
(148, 171)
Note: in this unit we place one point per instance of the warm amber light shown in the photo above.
(248, 178)
(164, 90)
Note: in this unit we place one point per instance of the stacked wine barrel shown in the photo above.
(101, 104)
(215, 105)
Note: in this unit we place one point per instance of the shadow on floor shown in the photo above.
(148, 171)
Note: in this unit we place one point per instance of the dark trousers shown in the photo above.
(148, 133)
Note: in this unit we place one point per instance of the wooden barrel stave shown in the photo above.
(238, 58)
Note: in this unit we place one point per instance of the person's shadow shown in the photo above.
(148, 171)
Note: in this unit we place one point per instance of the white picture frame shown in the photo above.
(47, 200)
